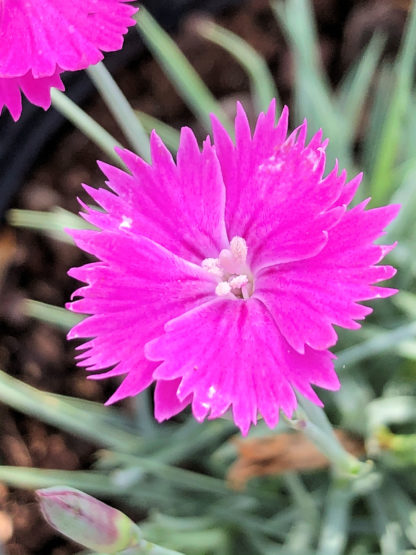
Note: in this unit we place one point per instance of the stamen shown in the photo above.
(211, 265)
(223, 288)
(238, 281)
(231, 268)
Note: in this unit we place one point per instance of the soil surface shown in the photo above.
(35, 267)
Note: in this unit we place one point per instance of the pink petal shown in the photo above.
(137, 379)
(43, 37)
(167, 403)
(230, 353)
(179, 206)
(35, 90)
(277, 199)
(10, 97)
(135, 288)
(307, 298)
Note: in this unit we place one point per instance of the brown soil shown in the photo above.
(36, 266)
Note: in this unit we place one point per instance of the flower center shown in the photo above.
(235, 278)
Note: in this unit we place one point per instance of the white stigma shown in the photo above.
(232, 270)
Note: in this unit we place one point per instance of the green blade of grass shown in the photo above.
(352, 400)
(86, 124)
(313, 97)
(377, 345)
(390, 410)
(142, 494)
(404, 225)
(187, 533)
(54, 410)
(184, 478)
(274, 528)
(381, 181)
(117, 419)
(389, 532)
(334, 531)
(54, 315)
(407, 349)
(378, 109)
(404, 507)
(182, 75)
(354, 89)
(93, 483)
(178, 476)
(136, 493)
(297, 20)
(406, 157)
(169, 135)
(302, 532)
(190, 438)
(406, 301)
(52, 223)
(263, 87)
(122, 112)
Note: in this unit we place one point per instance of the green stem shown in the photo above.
(178, 476)
(54, 315)
(94, 483)
(85, 123)
(181, 74)
(57, 411)
(52, 222)
(118, 105)
(313, 422)
(169, 135)
(388, 530)
(143, 494)
(334, 531)
(402, 508)
(302, 498)
(145, 421)
(389, 142)
(303, 531)
(262, 83)
(380, 343)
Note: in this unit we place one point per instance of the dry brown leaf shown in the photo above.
(268, 456)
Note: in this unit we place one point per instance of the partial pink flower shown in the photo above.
(220, 277)
(46, 38)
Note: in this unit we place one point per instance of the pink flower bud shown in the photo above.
(88, 521)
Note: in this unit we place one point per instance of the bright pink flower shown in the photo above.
(40, 40)
(220, 277)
